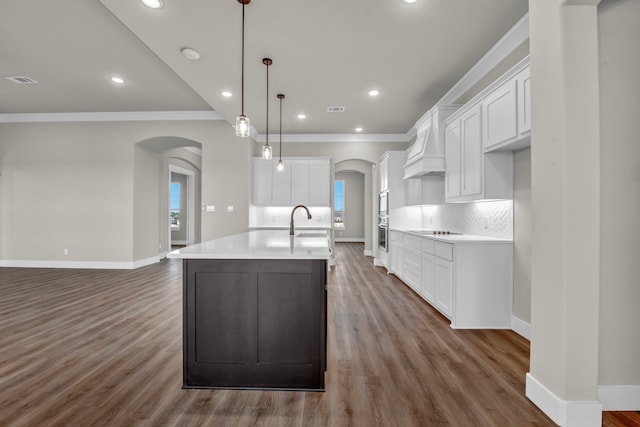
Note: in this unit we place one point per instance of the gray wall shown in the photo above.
(354, 206)
(620, 193)
(522, 234)
(88, 188)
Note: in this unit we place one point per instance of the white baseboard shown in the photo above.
(521, 327)
(619, 397)
(349, 239)
(179, 242)
(378, 263)
(368, 252)
(562, 412)
(113, 265)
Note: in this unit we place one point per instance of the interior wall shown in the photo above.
(146, 203)
(522, 234)
(71, 186)
(66, 186)
(354, 206)
(619, 37)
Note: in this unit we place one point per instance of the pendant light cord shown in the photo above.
(280, 97)
(242, 83)
(267, 97)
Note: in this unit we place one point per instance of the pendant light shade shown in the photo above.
(280, 167)
(243, 125)
(267, 150)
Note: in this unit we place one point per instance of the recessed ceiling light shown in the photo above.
(117, 80)
(153, 4)
(410, 1)
(226, 93)
(302, 116)
(358, 129)
(374, 92)
(190, 54)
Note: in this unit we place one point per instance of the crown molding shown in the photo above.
(340, 137)
(120, 116)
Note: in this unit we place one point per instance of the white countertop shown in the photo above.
(455, 238)
(286, 227)
(261, 244)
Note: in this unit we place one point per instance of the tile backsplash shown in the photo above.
(491, 218)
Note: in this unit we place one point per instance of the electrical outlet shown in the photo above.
(230, 208)
(65, 251)
(486, 222)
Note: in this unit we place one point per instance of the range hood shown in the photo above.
(426, 156)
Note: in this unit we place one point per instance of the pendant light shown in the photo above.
(280, 167)
(243, 126)
(267, 150)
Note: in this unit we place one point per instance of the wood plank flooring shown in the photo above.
(104, 348)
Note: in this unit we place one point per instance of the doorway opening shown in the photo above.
(181, 207)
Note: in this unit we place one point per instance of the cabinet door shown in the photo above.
(429, 277)
(262, 181)
(524, 101)
(281, 186)
(299, 182)
(383, 174)
(444, 286)
(471, 146)
(395, 257)
(319, 183)
(452, 159)
(499, 118)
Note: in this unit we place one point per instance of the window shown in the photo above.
(338, 204)
(174, 211)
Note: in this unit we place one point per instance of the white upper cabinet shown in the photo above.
(390, 173)
(506, 111)
(472, 174)
(303, 181)
(500, 122)
(262, 181)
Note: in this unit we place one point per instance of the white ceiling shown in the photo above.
(325, 53)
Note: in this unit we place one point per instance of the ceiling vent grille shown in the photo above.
(337, 109)
(21, 79)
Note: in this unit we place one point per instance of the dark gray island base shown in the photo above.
(254, 323)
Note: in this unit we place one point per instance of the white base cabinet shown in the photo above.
(468, 282)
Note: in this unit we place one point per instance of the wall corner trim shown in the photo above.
(562, 412)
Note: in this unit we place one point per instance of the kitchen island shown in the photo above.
(254, 311)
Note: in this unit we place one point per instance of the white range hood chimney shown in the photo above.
(426, 156)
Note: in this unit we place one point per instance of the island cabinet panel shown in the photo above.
(254, 324)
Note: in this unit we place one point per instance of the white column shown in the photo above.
(565, 183)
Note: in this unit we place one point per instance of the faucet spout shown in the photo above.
(291, 225)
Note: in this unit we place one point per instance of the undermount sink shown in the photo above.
(311, 234)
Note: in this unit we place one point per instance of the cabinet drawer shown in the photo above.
(428, 246)
(412, 276)
(412, 241)
(444, 250)
(412, 257)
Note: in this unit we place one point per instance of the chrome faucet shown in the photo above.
(291, 231)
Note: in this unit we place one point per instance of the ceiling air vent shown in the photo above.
(338, 109)
(21, 79)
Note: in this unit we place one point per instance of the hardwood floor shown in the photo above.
(102, 347)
